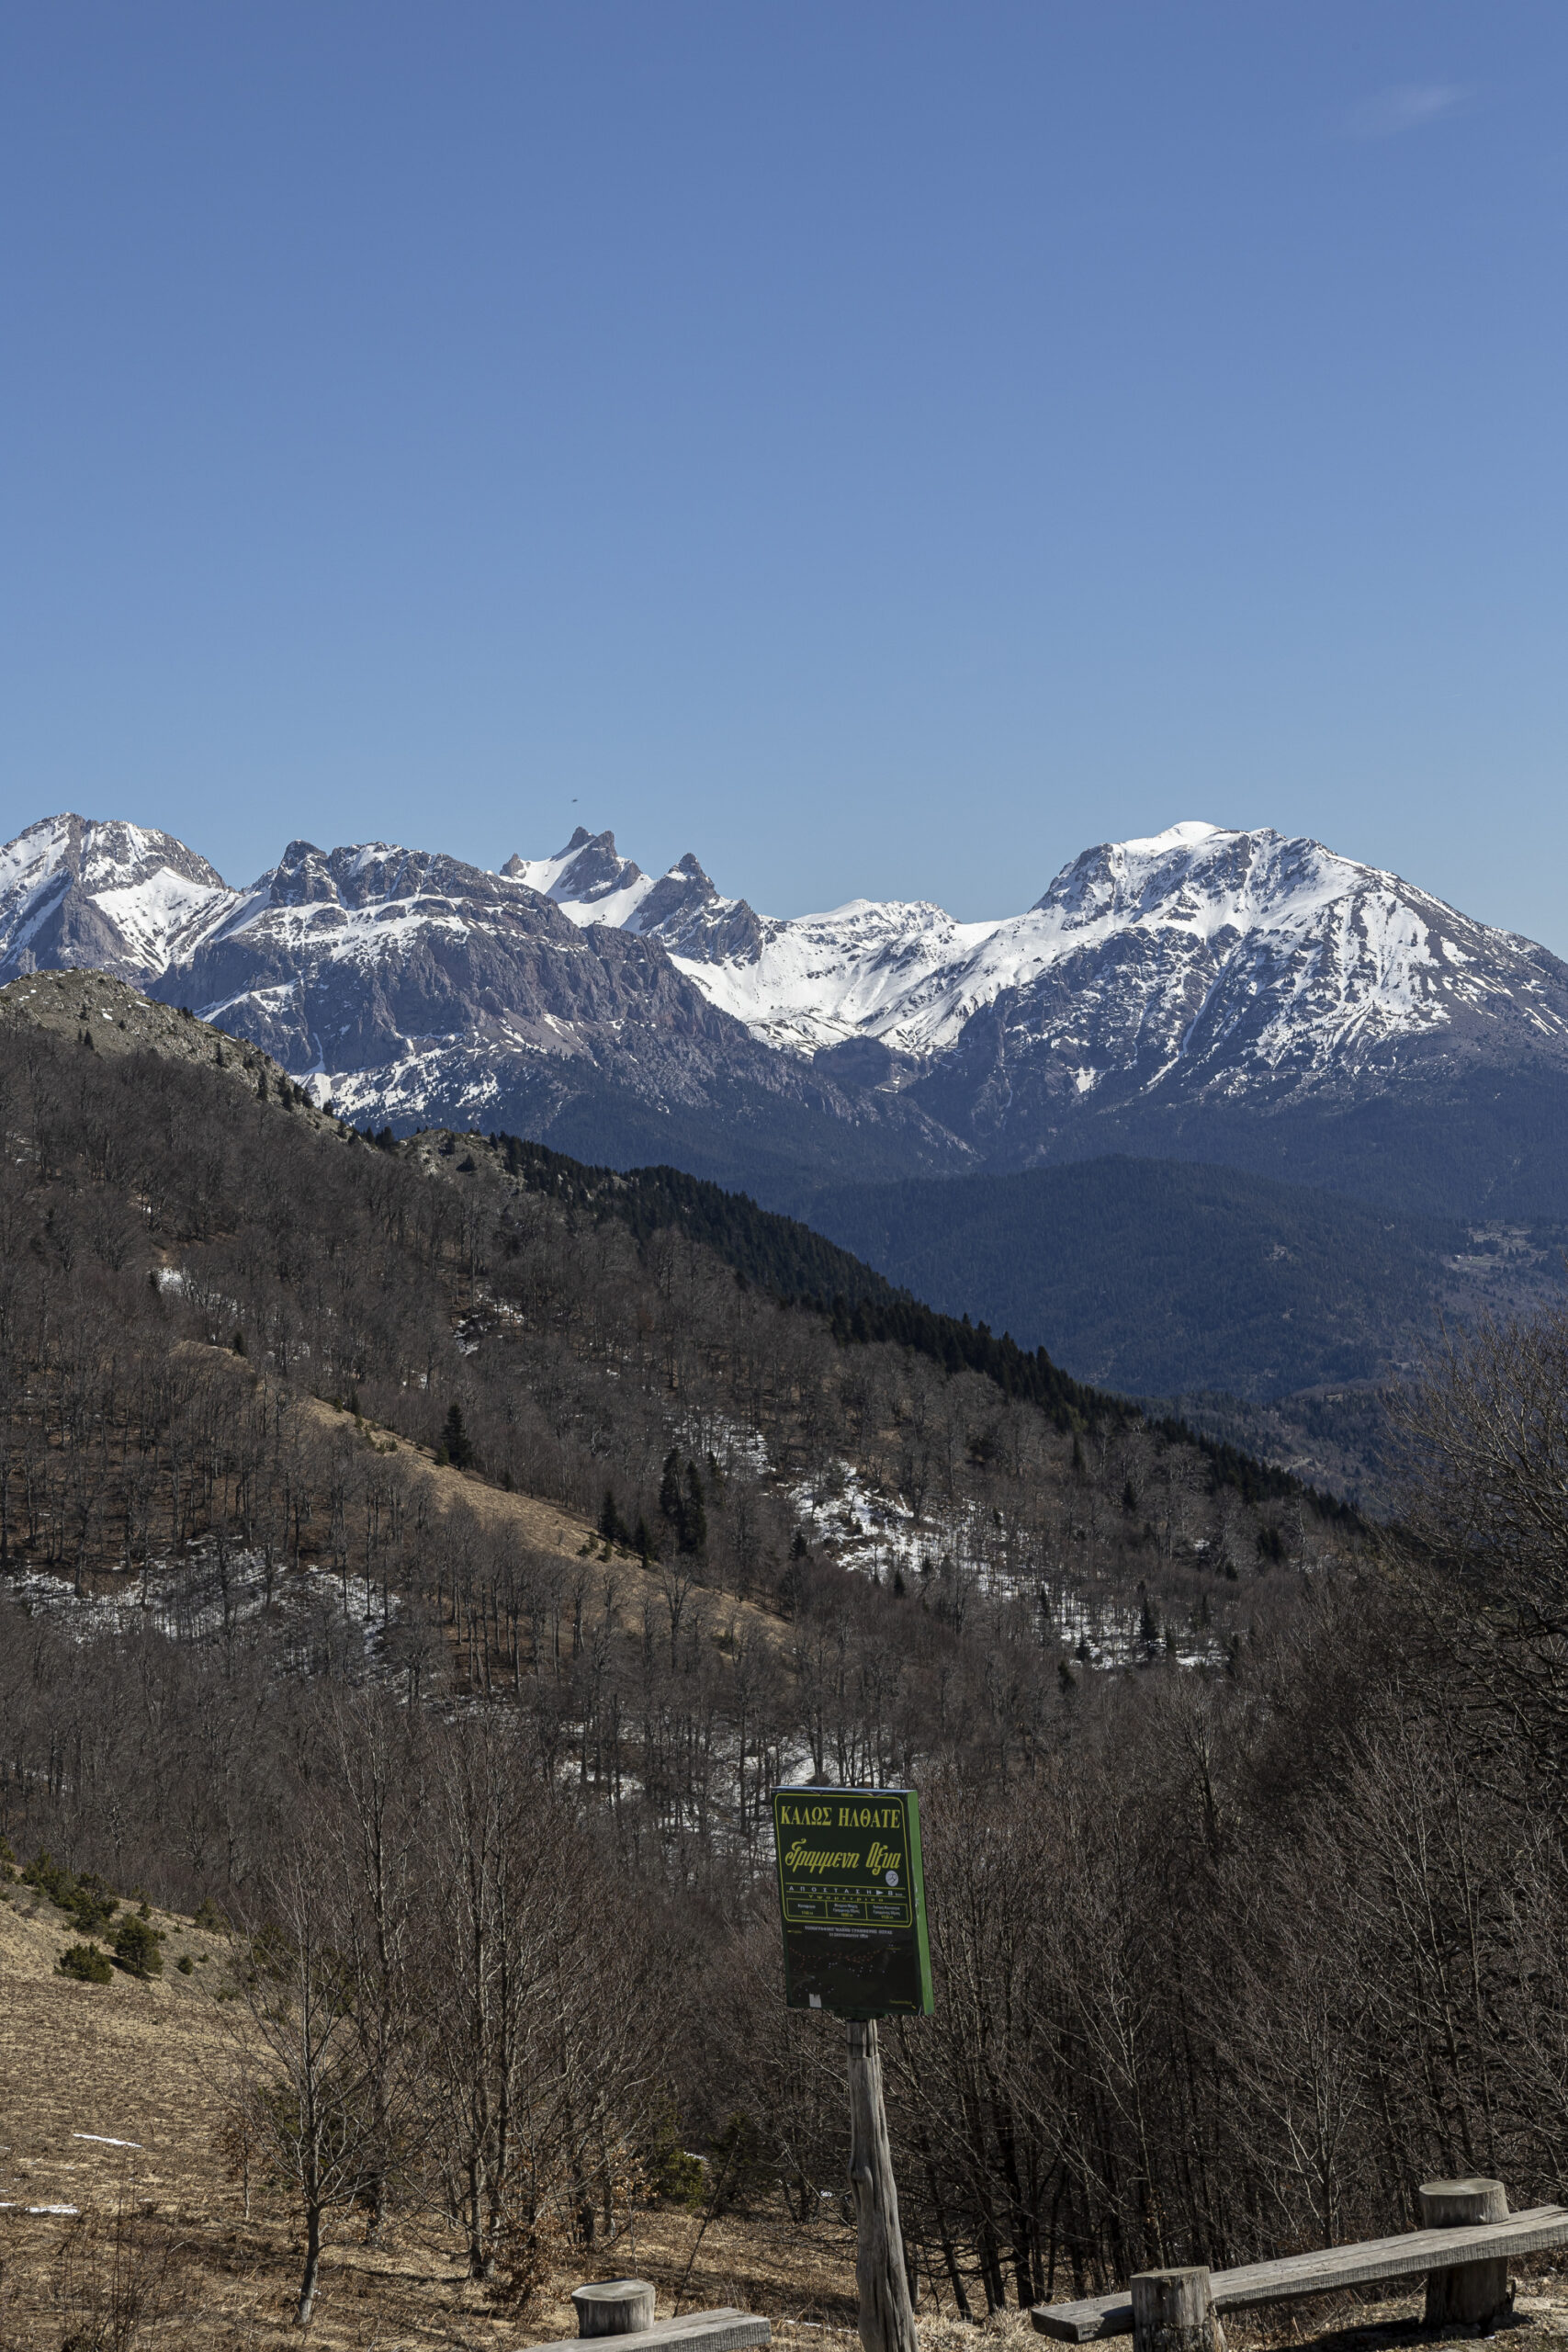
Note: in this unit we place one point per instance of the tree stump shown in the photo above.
(612, 2306)
(1173, 2311)
(886, 2316)
(1473, 2294)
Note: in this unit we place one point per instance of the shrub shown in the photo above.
(136, 1947)
(208, 1915)
(668, 2172)
(184, 1964)
(86, 1963)
(44, 1873)
(740, 2158)
(684, 2180)
(88, 1900)
(91, 1904)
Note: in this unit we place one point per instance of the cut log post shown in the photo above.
(613, 2307)
(886, 2316)
(1173, 2311)
(1473, 2294)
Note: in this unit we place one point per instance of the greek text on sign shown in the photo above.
(853, 1898)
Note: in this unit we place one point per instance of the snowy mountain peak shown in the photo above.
(589, 880)
(1250, 950)
(364, 873)
(78, 891)
(1182, 835)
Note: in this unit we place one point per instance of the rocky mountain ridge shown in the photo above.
(1206, 993)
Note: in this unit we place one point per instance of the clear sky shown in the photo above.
(883, 448)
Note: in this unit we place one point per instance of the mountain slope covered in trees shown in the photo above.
(1229, 1810)
(578, 1327)
(1155, 1276)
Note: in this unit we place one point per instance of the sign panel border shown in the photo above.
(840, 1936)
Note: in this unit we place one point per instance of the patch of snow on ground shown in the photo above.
(199, 1599)
(950, 1556)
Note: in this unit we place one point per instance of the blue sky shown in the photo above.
(882, 447)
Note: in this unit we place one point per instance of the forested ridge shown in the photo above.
(1161, 1277)
(1248, 1893)
(799, 1265)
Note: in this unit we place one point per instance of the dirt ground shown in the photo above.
(115, 2204)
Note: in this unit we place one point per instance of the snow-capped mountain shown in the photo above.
(1196, 947)
(1201, 993)
(113, 897)
(1248, 958)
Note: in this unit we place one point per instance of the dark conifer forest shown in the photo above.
(426, 1552)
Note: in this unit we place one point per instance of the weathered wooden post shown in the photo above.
(1472, 2294)
(882, 2277)
(852, 1892)
(612, 2306)
(1173, 2311)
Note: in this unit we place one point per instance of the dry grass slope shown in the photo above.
(146, 2063)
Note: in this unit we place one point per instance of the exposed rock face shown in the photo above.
(685, 911)
(590, 882)
(1208, 994)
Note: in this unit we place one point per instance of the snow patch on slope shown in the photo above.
(863, 970)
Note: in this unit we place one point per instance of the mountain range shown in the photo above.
(1223, 1119)
(1233, 997)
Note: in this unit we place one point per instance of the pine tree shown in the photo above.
(693, 1515)
(669, 1491)
(456, 1441)
(86, 1963)
(136, 1946)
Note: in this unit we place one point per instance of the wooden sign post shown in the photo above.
(852, 1899)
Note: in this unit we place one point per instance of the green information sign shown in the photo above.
(853, 1900)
